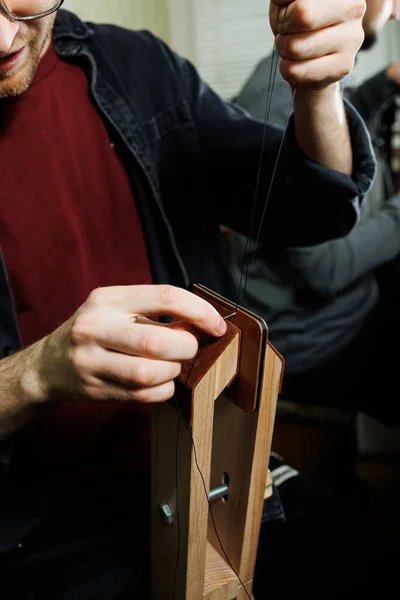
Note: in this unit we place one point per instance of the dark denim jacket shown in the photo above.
(193, 161)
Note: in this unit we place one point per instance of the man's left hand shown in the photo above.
(317, 39)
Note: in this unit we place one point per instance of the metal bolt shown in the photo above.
(219, 492)
(166, 514)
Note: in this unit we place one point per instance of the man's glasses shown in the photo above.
(27, 10)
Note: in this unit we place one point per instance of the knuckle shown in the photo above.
(169, 390)
(345, 66)
(360, 38)
(141, 374)
(168, 295)
(305, 14)
(289, 47)
(81, 330)
(289, 70)
(359, 7)
(164, 392)
(153, 345)
(176, 369)
(80, 361)
(354, 39)
(294, 47)
(96, 297)
(161, 393)
(193, 347)
(95, 391)
(146, 374)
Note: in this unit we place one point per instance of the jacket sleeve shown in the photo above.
(372, 96)
(332, 266)
(307, 202)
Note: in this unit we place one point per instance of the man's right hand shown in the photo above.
(111, 350)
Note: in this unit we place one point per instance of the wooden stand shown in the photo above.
(214, 440)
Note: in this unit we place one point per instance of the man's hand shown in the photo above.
(317, 39)
(109, 350)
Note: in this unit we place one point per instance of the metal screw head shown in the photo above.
(166, 514)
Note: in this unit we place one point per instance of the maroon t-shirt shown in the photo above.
(68, 224)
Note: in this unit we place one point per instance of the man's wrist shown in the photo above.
(316, 99)
(21, 391)
(321, 127)
(24, 368)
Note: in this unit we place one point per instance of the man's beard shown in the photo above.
(19, 84)
(369, 42)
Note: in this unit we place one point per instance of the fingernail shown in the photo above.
(220, 325)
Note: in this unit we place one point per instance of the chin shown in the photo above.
(17, 83)
(14, 86)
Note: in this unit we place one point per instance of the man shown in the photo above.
(332, 307)
(118, 166)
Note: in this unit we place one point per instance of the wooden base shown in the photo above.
(220, 580)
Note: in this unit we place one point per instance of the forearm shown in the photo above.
(321, 127)
(19, 397)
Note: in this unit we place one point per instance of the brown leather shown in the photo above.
(244, 390)
(193, 370)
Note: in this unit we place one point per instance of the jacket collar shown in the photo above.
(68, 25)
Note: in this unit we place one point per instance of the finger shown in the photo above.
(303, 46)
(310, 15)
(314, 73)
(179, 324)
(147, 341)
(133, 371)
(203, 339)
(161, 300)
(113, 330)
(103, 391)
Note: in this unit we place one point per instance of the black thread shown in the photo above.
(246, 261)
(240, 300)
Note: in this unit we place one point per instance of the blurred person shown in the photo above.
(108, 143)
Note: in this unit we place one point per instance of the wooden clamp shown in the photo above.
(214, 435)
